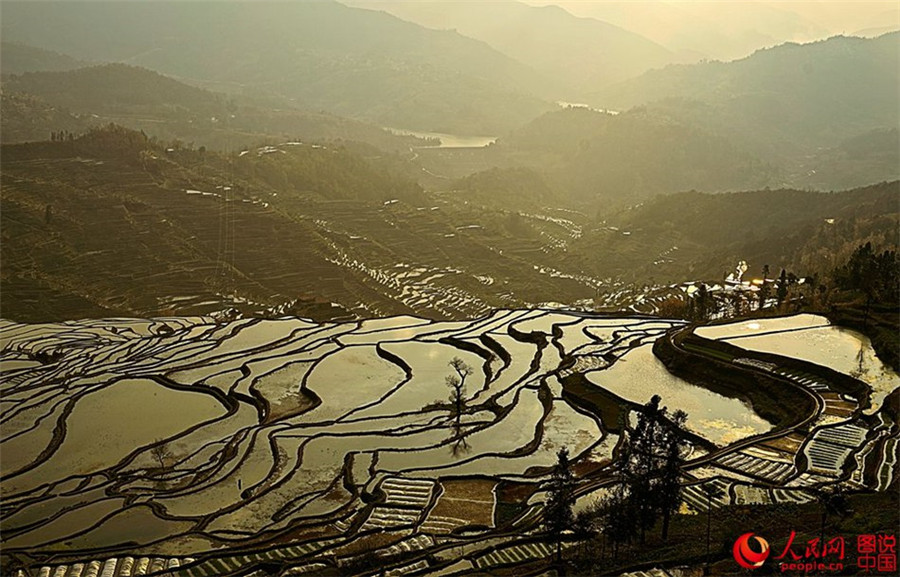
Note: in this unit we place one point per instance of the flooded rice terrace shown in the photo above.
(185, 437)
(813, 338)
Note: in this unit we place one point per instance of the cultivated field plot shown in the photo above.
(184, 433)
(199, 447)
(813, 338)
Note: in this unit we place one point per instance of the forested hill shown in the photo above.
(760, 214)
(324, 55)
(113, 223)
(790, 95)
(801, 230)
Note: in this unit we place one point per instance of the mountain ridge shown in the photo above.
(803, 95)
(38, 103)
(579, 52)
(312, 52)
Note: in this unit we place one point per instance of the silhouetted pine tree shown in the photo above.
(652, 464)
(669, 490)
(558, 515)
(782, 290)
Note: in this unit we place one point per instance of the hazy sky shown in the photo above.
(738, 26)
(724, 29)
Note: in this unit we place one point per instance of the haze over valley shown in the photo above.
(324, 288)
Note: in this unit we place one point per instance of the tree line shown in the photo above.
(645, 494)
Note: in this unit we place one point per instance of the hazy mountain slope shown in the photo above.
(729, 30)
(112, 222)
(323, 225)
(578, 52)
(696, 235)
(322, 54)
(870, 157)
(597, 162)
(115, 87)
(154, 242)
(25, 118)
(19, 58)
(625, 158)
(38, 103)
(792, 95)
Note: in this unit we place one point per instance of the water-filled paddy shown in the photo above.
(106, 425)
(430, 366)
(812, 338)
(350, 377)
(639, 375)
(302, 416)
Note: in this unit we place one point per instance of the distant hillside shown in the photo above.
(872, 156)
(497, 187)
(18, 58)
(623, 159)
(822, 116)
(725, 31)
(164, 226)
(321, 54)
(789, 96)
(116, 87)
(804, 231)
(179, 230)
(577, 52)
(25, 118)
(38, 103)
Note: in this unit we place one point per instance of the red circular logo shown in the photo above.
(747, 557)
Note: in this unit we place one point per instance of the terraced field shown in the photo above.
(197, 447)
(171, 232)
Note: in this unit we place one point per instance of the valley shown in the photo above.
(355, 288)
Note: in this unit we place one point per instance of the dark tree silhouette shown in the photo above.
(558, 515)
(161, 452)
(641, 465)
(669, 489)
(782, 290)
(702, 304)
(617, 517)
(833, 502)
(457, 385)
(876, 275)
(765, 290)
(585, 526)
(652, 465)
(712, 492)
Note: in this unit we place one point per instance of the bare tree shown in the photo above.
(462, 369)
(457, 385)
(161, 452)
